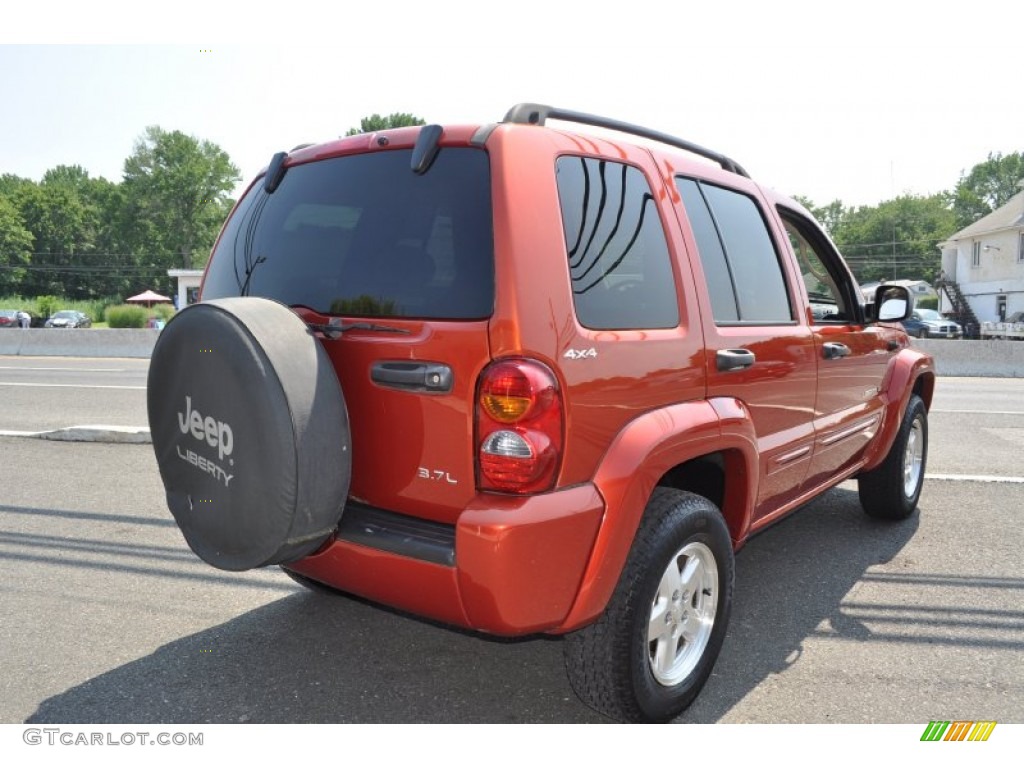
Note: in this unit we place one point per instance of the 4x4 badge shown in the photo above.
(580, 354)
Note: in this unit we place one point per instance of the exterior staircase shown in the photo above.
(961, 311)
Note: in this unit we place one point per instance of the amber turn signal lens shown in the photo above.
(506, 408)
(508, 393)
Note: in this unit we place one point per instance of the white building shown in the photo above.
(188, 285)
(986, 261)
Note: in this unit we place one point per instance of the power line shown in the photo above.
(94, 254)
(84, 270)
(890, 243)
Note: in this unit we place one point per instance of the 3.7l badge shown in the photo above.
(437, 475)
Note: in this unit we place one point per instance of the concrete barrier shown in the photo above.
(991, 357)
(953, 357)
(78, 342)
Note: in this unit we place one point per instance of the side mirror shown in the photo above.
(892, 304)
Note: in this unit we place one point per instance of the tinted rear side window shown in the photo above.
(712, 255)
(363, 235)
(737, 254)
(619, 263)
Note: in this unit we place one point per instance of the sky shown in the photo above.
(859, 102)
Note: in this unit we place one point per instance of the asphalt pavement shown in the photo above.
(48, 393)
(107, 617)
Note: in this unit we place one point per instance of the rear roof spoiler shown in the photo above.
(537, 114)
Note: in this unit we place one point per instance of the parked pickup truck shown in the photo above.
(521, 379)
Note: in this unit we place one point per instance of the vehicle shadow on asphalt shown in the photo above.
(124, 557)
(312, 657)
(790, 580)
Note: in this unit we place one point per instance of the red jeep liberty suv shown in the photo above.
(520, 379)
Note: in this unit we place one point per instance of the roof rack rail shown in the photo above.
(537, 114)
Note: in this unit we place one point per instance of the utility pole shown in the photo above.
(894, 248)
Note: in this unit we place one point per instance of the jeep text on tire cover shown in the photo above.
(520, 379)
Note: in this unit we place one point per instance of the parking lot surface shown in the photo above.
(107, 617)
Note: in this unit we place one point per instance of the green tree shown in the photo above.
(100, 263)
(15, 248)
(74, 176)
(178, 189)
(107, 203)
(63, 230)
(76, 222)
(896, 239)
(10, 184)
(989, 185)
(830, 217)
(377, 123)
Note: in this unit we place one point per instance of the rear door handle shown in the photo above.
(415, 377)
(734, 359)
(833, 349)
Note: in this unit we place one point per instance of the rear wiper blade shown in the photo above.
(333, 331)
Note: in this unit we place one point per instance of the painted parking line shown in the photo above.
(988, 413)
(66, 386)
(64, 368)
(975, 478)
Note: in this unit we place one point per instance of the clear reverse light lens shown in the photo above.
(506, 443)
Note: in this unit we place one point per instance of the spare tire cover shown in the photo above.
(250, 431)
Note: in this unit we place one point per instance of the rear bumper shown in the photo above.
(517, 563)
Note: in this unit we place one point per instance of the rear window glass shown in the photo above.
(363, 235)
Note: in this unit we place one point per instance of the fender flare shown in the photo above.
(643, 452)
(905, 370)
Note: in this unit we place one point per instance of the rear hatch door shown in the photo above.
(402, 264)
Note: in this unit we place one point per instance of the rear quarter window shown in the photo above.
(619, 263)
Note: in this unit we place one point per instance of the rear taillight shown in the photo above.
(519, 425)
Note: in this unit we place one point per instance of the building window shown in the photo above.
(976, 255)
(1020, 248)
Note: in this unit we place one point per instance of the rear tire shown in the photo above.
(892, 489)
(649, 654)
